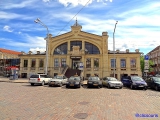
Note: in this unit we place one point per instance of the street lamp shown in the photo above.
(41, 23)
(114, 46)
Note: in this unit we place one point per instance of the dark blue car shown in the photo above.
(134, 82)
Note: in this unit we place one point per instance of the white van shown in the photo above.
(39, 79)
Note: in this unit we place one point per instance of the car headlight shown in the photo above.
(77, 82)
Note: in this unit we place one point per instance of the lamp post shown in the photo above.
(114, 46)
(41, 23)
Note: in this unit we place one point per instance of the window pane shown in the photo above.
(61, 49)
(123, 63)
(76, 43)
(41, 63)
(96, 62)
(33, 63)
(91, 49)
(133, 62)
(63, 62)
(88, 63)
(113, 63)
(25, 63)
(56, 62)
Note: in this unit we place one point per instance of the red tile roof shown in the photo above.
(9, 51)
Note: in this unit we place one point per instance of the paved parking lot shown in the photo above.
(20, 101)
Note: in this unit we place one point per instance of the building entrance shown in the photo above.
(75, 63)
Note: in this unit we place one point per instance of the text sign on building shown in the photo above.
(146, 63)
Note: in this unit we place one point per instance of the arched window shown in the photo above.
(76, 43)
(61, 49)
(91, 49)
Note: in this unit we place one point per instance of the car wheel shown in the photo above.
(120, 87)
(109, 86)
(67, 86)
(88, 86)
(32, 84)
(156, 88)
(145, 88)
(50, 85)
(42, 83)
(131, 87)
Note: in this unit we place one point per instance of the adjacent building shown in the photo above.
(154, 55)
(82, 53)
(8, 59)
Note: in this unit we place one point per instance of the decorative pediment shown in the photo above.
(75, 50)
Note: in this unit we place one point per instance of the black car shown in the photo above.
(153, 82)
(74, 81)
(94, 81)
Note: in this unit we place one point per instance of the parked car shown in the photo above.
(134, 82)
(112, 82)
(74, 81)
(39, 79)
(153, 82)
(58, 80)
(94, 81)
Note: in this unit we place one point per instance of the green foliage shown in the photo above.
(142, 64)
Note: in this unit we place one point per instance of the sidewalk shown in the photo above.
(20, 80)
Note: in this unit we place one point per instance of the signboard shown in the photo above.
(146, 57)
(146, 63)
(80, 66)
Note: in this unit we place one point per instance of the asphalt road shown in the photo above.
(20, 101)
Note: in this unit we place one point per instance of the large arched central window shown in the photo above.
(61, 49)
(76, 43)
(91, 49)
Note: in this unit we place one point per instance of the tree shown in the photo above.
(142, 64)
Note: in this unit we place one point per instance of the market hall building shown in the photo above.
(82, 53)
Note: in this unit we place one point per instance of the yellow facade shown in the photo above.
(93, 53)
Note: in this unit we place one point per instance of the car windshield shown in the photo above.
(112, 79)
(58, 77)
(156, 79)
(136, 78)
(93, 78)
(74, 78)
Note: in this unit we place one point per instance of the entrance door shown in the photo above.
(75, 63)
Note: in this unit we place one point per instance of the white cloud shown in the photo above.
(46, 0)
(79, 2)
(34, 50)
(23, 4)
(7, 28)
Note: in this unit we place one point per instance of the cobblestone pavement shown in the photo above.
(21, 101)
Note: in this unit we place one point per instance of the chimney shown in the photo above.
(127, 50)
(30, 52)
(137, 50)
(117, 51)
(22, 53)
(38, 52)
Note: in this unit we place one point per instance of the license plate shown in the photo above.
(141, 86)
(52, 82)
(95, 84)
(71, 84)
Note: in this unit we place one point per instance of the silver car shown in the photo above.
(112, 82)
(58, 80)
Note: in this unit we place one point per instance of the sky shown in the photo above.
(138, 22)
